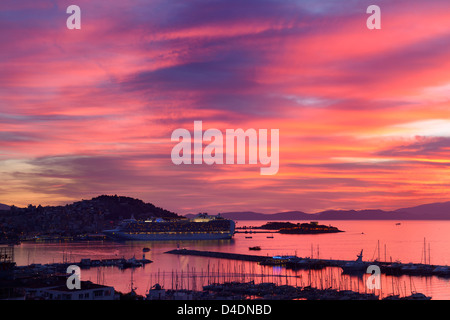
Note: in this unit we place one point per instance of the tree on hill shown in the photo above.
(120, 206)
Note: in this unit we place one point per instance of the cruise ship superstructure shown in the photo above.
(201, 227)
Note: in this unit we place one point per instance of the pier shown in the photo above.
(264, 260)
(219, 255)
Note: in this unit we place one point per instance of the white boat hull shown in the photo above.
(167, 236)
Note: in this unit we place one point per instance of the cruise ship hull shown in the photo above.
(167, 236)
(201, 228)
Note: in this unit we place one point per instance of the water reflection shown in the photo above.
(404, 242)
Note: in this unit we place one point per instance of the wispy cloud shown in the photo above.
(91, 111)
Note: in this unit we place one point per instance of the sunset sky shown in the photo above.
(363, 115)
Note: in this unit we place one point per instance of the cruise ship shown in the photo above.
(201, 227)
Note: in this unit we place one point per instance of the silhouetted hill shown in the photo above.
(81, 217)
(436, 211)
(431, 211)
(250, 215)
(324, 215)
(117, 207)
(4, 207)
(360, 215)
(244, 215)
(293, 215)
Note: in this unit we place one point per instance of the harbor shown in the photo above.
(224, 150)
(184, 268)
(244, 276)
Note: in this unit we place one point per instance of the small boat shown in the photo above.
(254, 248)
(398, 223)
(146, 249)
(156, 293)
(355, 267)
(442, 271)
(270, 237)
(248, 237)
(130, 263)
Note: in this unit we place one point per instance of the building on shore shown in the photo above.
(54, 288)
(58, 290)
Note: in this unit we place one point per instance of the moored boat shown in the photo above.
(357, 266)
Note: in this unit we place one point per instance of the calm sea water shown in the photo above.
(383, 239)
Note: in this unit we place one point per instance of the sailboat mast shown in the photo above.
(424, 251)
(378, 250)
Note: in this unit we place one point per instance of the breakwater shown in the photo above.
(290, 261)
(219, 255)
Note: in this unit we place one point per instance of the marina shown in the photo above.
(357, 266)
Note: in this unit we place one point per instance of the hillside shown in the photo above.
(250, 215)
(438, 211)
(81, 217)
(431, 211)
(290, 215)
(360, 215)
(119, 207)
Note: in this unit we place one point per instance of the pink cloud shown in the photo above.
(91, 111)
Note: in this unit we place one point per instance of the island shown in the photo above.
(300, 228)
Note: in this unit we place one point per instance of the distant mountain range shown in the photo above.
(124, 206)
(432, 211)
